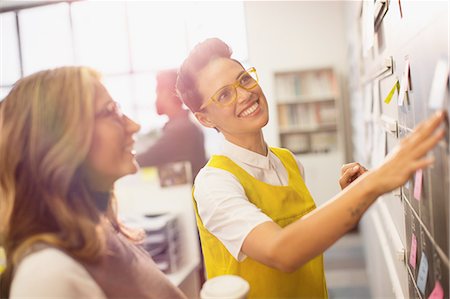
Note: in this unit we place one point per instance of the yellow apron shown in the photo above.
(284, 204)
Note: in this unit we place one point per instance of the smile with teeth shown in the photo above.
(249, 110)
(130, 149)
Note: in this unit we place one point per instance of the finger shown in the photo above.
(362, 170)
(427, 127)
(432, 122)
(422, 163)
(345, 178)
(359, 173)
(429, 143)
(348, 175)
(347, 166)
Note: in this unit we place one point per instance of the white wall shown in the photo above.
(297, 35)
(289, 35)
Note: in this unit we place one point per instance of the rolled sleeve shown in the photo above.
(225, 210)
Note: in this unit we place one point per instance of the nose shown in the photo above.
(131, 126)
(243, 95)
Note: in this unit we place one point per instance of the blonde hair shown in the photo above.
(46, 125)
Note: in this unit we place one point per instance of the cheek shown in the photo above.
(105, 150)
(223, 115)
(98, 155)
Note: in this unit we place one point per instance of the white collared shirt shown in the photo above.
(222, 204)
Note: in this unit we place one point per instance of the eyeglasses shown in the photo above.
(110, 109)
(228, 94)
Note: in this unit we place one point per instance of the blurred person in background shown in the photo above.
(181, 138)
(64, 142)
(255, 215)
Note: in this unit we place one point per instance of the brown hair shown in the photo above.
(46, 125)
(198, 58)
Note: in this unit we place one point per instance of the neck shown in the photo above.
(101, 200)
(252, 142)
(175, 113)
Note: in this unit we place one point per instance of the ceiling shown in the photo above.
(11, 5)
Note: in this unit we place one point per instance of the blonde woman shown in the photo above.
(64, 142)
(255, 215)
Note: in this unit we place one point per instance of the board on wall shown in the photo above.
(401, 53)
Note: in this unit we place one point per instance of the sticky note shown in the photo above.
(148, 173)
(438, 85)
(438, 292)
(422, 276)
(396, 86)
(413, 253)
(2, 260)
(404, 86)
(418, 184)
(407, 185)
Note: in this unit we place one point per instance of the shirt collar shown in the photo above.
(245, 156)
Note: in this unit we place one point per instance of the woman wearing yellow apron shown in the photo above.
(255, 215)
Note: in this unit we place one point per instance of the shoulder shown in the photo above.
(300, 165)
(215, 178)
(51, 272)
(288, 154)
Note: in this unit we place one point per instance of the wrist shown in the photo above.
(371, 184)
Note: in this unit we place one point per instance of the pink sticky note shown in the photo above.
(438, 292)
(412, 255)
(418, 184)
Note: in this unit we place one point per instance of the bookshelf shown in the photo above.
(307, 106)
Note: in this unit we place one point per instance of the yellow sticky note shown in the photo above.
(148, 173)
(2, 260)
(396, 86)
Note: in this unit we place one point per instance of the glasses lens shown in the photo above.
(117, 110)
(111, 109)
(225, 95)
(249, 79)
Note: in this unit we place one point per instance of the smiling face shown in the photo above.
(247, 115)
(111, 154)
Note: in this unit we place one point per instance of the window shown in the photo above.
(9, 55)
(100, 36)
(45, 44)
(127, 41)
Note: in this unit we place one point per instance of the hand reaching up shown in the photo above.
(409, 155)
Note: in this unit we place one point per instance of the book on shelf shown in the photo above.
(323, 142)
(307, 111)
(296, 85)
(297, 143)
(327, 113)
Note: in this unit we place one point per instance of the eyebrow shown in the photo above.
(105, 105)
(240, 74)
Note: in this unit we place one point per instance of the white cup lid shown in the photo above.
(225, 286)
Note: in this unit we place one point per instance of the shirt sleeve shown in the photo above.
(50, 273)
(225, 210)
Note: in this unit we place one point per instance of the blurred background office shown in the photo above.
(321, 65)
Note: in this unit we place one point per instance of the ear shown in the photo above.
(204, 119)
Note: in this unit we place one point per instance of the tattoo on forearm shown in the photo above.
(357, 211)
